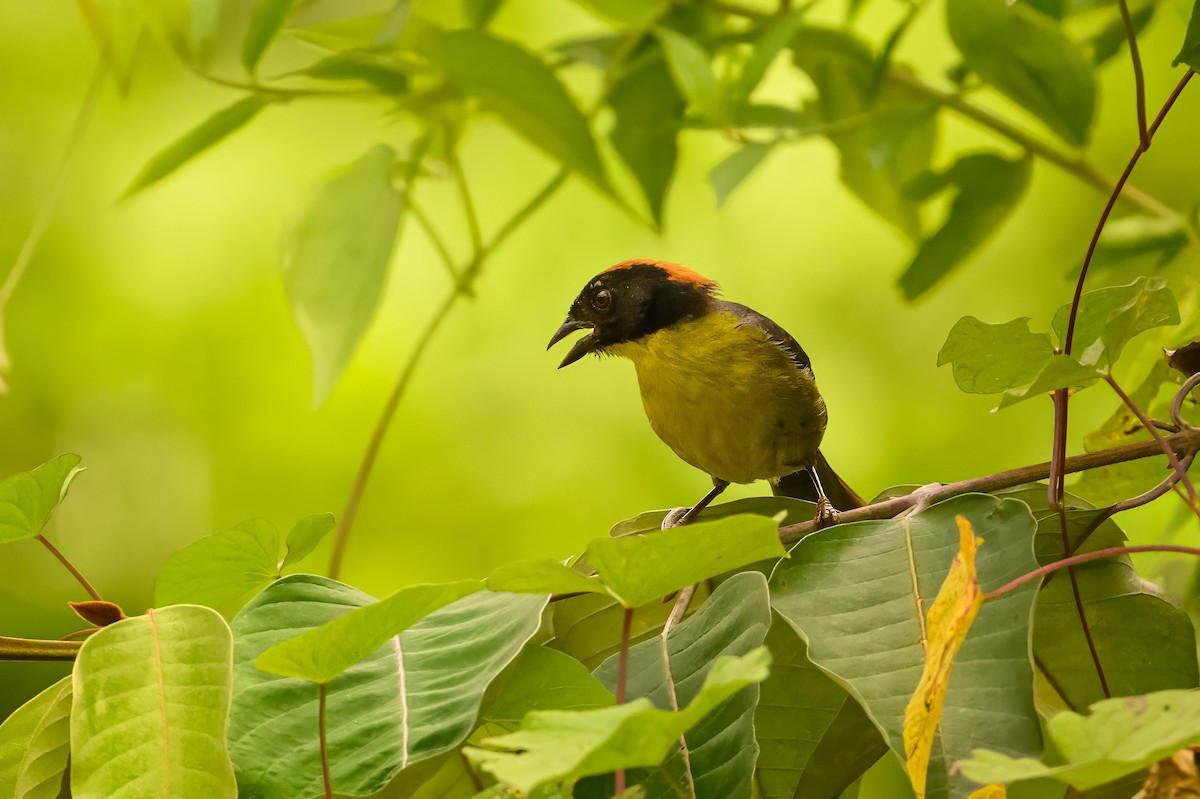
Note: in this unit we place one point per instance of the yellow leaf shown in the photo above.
(949, 619)
(990, 792)
(1172, 778)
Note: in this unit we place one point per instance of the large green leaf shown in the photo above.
(987, 187)
(1059, 371)
(858, 593)
(1189, 53)
(1029, 58)
(814, 739)
(524, 92)
(28, 498)
(588, 627)
(409, 700)
(151, 708)
(1118, 737)
(542, 679)
(894, 132)
(557, 746)
(990, 358)
(207, 134)
(647, 112)
(321, 654)
(335, 259)
(721, 750)
(1109, 318)
(265, 22)
(223, 570)
(35, 743)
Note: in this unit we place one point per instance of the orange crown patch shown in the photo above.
(680, 274)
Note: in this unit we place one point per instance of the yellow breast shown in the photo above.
(727, 399)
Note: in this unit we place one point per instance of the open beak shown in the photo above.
(581, 348)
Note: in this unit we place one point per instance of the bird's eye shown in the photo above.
(602, 300)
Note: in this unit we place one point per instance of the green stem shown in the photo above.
(70, 567)
(434, 237)
(37, 649)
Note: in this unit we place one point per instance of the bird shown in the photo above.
(726, 388)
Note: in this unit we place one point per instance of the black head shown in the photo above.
(631, 300)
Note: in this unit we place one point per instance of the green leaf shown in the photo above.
(1120, 736)
(321, 654)
(1109, 318)
(1135, 236)
(1060, 371)
(151, 708)
(726, 176)
(1028, 58)
(722, 749)
(633, 14)
(191, 28)
(1190, 52)
(775, 37)
(118, 26)
(543, 679)
(857, 593)
(541, 577)
(305, 536)
(373, 70)
(480, 12)
(410, 700)
(987, 188)
(265, 23)
(815, 739)
(335, 260)
(555, 745)
(28, 498)
(524, 92)
(793, 511)
(648, 110)
(588, 627)
(990, 358)
(200, 138)
(640, 570)
(894, 132)
(35, 744)
(689, 65)
(222, 571)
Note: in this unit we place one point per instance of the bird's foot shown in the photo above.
(827, 515)
(673, 518)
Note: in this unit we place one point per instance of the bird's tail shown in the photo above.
(800, 485)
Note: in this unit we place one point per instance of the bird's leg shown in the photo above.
(826, 513)
(689, 517)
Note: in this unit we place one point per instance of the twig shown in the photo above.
(1176, 466)
(37, 649)
(324, 744)
(464, 192)
(678, 611)
(46, 213)
(1177, 404)
(1075, 560)
(70, 567)
(1139, 80)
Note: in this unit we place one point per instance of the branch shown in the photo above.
(1177, 467)
(1139, 80)
(70, 567)
(1075, 560)
(1186, 441)
(37, 649)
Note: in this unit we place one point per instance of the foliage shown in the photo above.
(704, 660)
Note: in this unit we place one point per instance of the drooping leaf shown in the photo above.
(541, 577)
(523, 91)
(556, 746)
(1110, 317)
(987, 188)
(726, 176)
(362, 67)
(304, 537)
(265, 23)
(774, 39)
(28, 498)
(542, 679)
(894, 133)
(955, 608)
(990, 358)
(721, 750)
(633, 14)
(638, 570)
(118, 26)
(151, 706)
(35, 743)
(200, 138)
(321, 654)
(1134, 236)
(857, 593)
(335, 260)
(1060, 371)
(815, 741)
(1119, 736)
(1189, 53)
(647, 111)
(221, 571)
(412, 699)
(690, 67)
(1028, 58)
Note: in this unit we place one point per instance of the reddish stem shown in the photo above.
(70, 567)
(1075, 560)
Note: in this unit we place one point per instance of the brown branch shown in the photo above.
(1139, 81)
(1075, 560)
(1176, 466)
(1185, 441)
(37, 649)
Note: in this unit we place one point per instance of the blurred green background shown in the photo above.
(153, 336)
